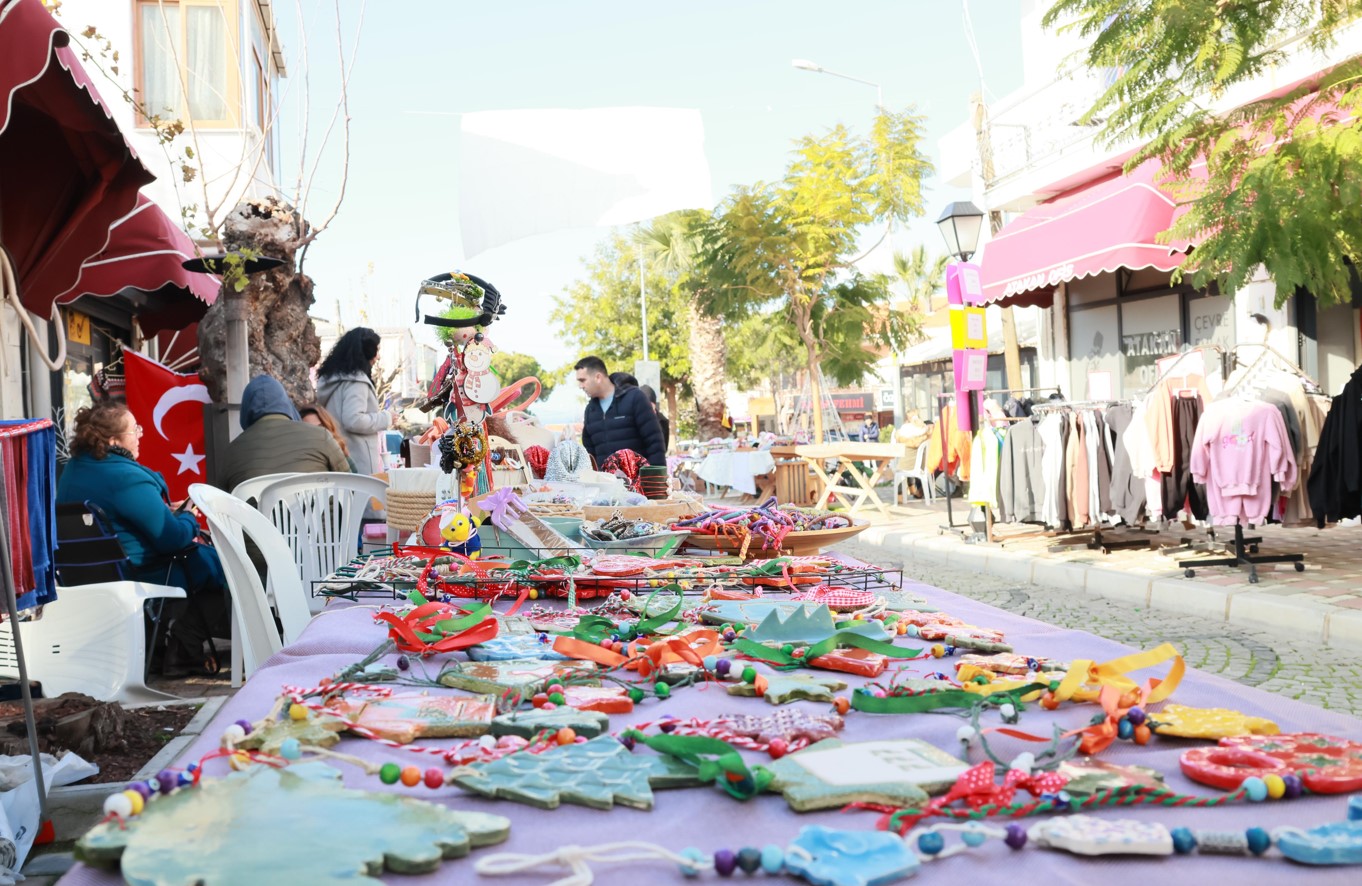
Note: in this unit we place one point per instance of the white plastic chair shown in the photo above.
(320, 516)
(920, 473)
(255, 637)
(91, 640)
(251, 489)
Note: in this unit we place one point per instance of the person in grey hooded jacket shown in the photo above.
(345, 387)
(274, 440)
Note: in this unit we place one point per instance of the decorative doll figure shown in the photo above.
(480, 384)
(450, 527)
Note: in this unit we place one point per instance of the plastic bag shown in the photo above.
(19, 799)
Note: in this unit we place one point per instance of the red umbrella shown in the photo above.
(144, 259)
(66, 172)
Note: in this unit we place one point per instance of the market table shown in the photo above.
(847, 453)
(736, 469)
(708, 819)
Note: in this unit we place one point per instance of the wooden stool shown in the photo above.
(792, 482)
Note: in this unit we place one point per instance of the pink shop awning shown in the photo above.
(144, 256)
(1110, 225)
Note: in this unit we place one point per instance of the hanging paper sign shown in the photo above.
(968, 329)
(963, 284)
(971, 370)
(1099, 386)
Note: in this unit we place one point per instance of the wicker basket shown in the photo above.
(406, 510)
(653, 512)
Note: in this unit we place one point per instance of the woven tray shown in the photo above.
(654, 512)
(406, 510)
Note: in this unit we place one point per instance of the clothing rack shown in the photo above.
(1245, 554)
(1198, 349)
(950, 524)
(12, 612)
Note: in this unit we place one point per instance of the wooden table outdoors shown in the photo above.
(883, 455)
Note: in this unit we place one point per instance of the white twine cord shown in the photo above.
(577, 859)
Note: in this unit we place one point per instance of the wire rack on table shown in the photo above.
(355, 581)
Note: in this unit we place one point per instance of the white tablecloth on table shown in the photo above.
(738, 470)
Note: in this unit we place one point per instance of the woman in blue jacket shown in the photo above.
(159, 539)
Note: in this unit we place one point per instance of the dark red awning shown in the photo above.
(66, 172)
(144, 254)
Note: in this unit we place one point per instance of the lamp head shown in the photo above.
(804, 64)
(960, 224)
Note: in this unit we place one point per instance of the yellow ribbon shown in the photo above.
(1086, 679)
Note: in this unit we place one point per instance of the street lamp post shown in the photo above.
(960, 224)
(804, 64)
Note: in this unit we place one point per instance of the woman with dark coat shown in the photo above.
(158, 536)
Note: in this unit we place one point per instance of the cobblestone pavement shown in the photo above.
(1275, 662)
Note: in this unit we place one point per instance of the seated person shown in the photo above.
(158, 537)
(275, 440)
(315, 414)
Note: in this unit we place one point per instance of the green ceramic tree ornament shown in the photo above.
(251, 827)
(598, 773)
(783, 688)
(831, 774)
(528, 724)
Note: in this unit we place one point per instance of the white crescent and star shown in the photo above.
(189, 460)
(173, 397)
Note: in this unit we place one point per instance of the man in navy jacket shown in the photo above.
(617, 417)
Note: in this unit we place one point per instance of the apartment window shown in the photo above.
(187, 66)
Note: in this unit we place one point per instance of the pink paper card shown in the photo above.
(963, 284)
(971, 369)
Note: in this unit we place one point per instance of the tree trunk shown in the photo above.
(282, 340)
(804, 324)
(669, 391)
(707, 354)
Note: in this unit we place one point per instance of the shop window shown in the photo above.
(1094, 353)
(1210, 321)
(188, 64)
(1151, 329)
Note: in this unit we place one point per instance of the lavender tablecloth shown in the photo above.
(709, 820)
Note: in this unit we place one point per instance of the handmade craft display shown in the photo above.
(1184, 722)
(598, 773)
(517, 647)
(785, 688)
(228, 830)
(405, 718)
(1321, 764)
(528, 724)
(831, 774)
(515, 675)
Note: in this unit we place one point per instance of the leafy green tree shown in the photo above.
(511, 367)
(602, 315)
(924, 277)
(1281, 175)
(790, 244)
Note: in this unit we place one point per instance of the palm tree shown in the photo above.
(672, 241)
(924, 277)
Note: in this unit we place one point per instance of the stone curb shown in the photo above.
(74, 809)
(1235, 606)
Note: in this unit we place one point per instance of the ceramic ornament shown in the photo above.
(251, 827)
(1335, 843)
(316, 730)
(605, 699)
(830, 774)
(521, 675)
(513, 648)
(598, 773)
(528, 724)
(898, 601)
(1324, 764)
(514, 625)
(809, 624)
(860, 662)
(1087, 835)
(1010, 664)
(480, 383)
(785, 688)
(405, 718)
(828, 857)
(1088, 775)
(787, 724)
(1184, 722)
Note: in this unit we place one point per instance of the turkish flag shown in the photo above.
(169, 407)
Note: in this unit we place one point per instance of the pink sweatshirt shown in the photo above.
(1239, 449)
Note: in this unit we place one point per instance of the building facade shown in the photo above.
(1080, 238)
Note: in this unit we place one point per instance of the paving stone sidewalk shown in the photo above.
(1322, 604)
(1275, 661)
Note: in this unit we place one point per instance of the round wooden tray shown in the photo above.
(797, 544)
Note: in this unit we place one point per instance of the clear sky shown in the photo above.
(422, 63)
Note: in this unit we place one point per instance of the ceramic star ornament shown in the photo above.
(599, 773)
(785, 688)
(830, 774)
(316, 730)
(249, 827)
(790, 725)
